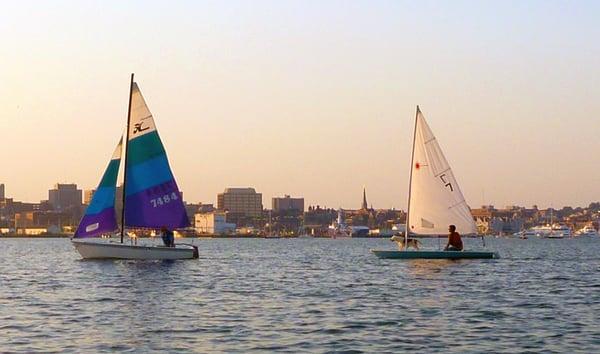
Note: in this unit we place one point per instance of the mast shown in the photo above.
(412, 158)
(126, 156)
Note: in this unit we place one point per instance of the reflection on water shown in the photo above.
(302, 295)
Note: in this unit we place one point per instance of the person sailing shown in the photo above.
(454, 240)
(168, 237)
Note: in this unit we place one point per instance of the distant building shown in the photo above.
(38, 219)
(213, 223)
(88, 194)
(206, 208)
(2, 196)
(287, 204)
(490, 220)
(240, 201)
(65, 197)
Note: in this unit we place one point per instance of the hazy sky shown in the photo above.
(308, 98)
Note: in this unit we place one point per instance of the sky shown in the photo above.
(308, 98)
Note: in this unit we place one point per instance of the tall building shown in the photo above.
(2, 196)
(287, 204)
(65, 197)
(241, 201)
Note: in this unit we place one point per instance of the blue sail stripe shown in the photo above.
(103, 198)
(148, 174)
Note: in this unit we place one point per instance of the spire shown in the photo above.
(364, 202)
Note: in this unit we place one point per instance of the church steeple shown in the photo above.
(364, 202)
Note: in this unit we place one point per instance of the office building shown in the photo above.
(240, 201)
(65, 197)
(287, 203)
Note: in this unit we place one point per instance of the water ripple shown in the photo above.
(313, 296)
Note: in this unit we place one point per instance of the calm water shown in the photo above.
(302, 295)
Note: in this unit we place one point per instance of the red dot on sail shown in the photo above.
(417, 165)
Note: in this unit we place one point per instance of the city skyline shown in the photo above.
(307, 100)
(267, 201)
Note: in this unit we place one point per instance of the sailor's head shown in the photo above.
(451, 228)
(163, 229)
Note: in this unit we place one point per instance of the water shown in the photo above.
(302, 295)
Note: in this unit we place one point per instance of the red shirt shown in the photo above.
(455, 241)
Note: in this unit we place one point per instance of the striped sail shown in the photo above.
(152, 198)
(99, 217)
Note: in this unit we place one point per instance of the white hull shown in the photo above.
(112, 250)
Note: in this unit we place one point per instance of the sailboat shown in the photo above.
(151, 198)
(435, 200)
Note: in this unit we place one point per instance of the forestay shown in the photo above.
(436, 200)
(100, 216)
(152, 197)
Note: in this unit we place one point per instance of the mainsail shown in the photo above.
(152, 198)
(435, 197)
(99, 216)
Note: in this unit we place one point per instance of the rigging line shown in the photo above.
(428, 141)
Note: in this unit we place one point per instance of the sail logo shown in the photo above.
(92, 227)
(446, 183)
(137, 128)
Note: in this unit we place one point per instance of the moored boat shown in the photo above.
(587, 230)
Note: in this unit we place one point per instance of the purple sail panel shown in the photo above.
(96, 224)
(156, 207)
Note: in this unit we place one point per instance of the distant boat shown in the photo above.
(151, 198)
(338, 229)
(435, 200)
(587, 230)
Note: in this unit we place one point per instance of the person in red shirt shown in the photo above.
(454, 241)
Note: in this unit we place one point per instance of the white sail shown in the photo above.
(435, 197)
(142, 121)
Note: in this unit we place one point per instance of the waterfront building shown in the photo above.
(490, 220)
(2, 196)
(213, 223)
(43, 219)
(287, 204)
(38, 231)
(244, 202)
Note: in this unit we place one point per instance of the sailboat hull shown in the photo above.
(435, 254)
(105, 250)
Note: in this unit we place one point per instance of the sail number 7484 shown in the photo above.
(162, 200)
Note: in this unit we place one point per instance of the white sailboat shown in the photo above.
(435, 200)
(151, 198)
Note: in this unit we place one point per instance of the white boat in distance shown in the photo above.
(550, 231)
(151, 198)
(587, 230)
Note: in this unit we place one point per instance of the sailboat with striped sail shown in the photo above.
(151, 197)
(435, 200)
